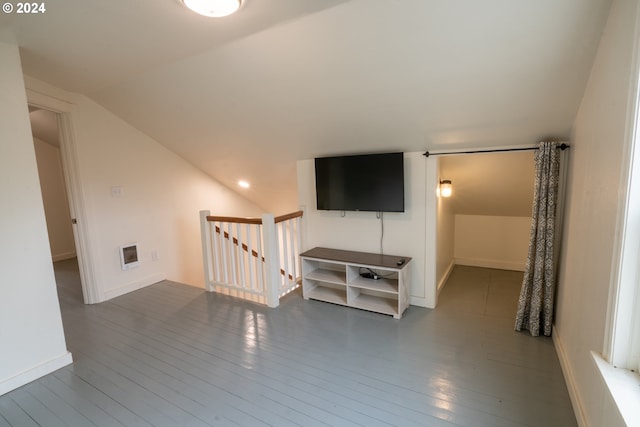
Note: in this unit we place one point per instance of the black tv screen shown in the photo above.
(372, 182)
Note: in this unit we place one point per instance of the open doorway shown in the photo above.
(483, 230)
(46, 141)
(47, 144)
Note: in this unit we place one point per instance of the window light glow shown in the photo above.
(244, 184)
(213, 8)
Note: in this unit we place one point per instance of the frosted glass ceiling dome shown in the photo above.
(213, 8)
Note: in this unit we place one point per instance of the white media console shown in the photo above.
(336, 276)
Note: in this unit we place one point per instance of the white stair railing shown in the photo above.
(251, 258)
(288, 231)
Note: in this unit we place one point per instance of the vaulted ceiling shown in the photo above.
(493, 184)
(247, 95)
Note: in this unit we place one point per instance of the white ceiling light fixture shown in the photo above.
(244, 184)
(213, 8)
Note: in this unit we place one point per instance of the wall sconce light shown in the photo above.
(445, 188)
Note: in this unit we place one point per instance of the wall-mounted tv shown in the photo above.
(371, 182)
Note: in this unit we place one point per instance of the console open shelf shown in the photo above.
(329, 276)
(334, 276)
(327, 293)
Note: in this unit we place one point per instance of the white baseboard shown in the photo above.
(133, 286)
(419, 302)
(446, 275)
(490, 263)
(35, 373)
(63, 256)
(569, 379)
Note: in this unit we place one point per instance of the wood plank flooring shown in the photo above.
(174, 355)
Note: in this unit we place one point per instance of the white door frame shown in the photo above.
(70, 169)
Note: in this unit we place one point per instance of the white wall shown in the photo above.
(492, 241)
(598, 154)
(31, 335)
(404, 233)
(54, 197)
(445, 234)
(156, 203)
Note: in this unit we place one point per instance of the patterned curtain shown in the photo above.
(535, 305)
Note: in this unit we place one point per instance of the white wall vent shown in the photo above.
(129, 256)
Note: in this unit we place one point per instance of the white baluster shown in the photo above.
(207, 251)
(272, 264)
(240, 255)
(260, 270)
(251, 261)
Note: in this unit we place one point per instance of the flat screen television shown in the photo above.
(371, 182)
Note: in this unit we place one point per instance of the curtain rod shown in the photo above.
(562, 147)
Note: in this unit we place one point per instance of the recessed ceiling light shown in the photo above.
(213, 8)
(243, 184)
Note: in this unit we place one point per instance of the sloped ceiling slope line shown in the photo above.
(357, 76)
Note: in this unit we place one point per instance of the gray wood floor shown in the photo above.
(174, 355)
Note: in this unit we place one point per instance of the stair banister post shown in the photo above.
(271, 260)
(207, 250)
